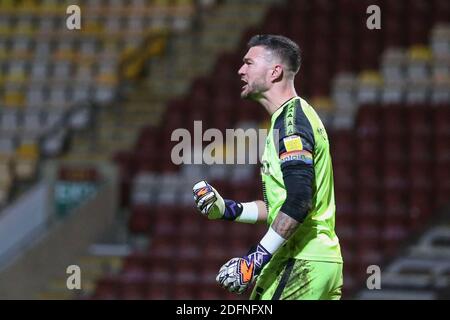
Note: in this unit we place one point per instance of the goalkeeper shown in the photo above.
(299, 257)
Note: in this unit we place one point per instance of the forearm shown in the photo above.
(282, 228)
(237, 274)
(245, 212)
(284, 225)
(262, 211)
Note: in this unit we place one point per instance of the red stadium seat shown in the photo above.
(345, 51)
(133, 289)
(393, 119)
(395, 178)
(163, 247)
(157, 292)
(107, 288)
(215, 249)
(188, 248)
(367, 232)
(147, 138)
(442, 148)
(183, 292)
(394, 207)
(350, 284)
(341, 144)
(441, 120)
(345, 230)
(395, 35)
(322, 28)
(210, 292)
(325, 7)
(441, 11)
(420, 206)
(147, 161)
(394, 149)
(186, 272)
(368, 176)
(369, 52)
(419, 173)
(420, 149)
(126, 162)
(200, 93)
(418, 120)
(164, 224)
(441, 183)
(418, 16)
(273, 22)
(367, 205)
(369, 256)
(344, 176)
(368, 121)
(344, 204)
(394, 9)
(160, 271)
(191, 224)
(136, 262)
(216, 229)
(140, 219)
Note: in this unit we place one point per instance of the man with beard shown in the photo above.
(299, 257)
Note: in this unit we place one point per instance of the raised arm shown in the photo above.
(211, 204)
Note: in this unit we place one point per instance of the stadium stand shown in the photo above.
(52, 77)
(390, 196)
(422, 272)
(393, 193)
(383, 95)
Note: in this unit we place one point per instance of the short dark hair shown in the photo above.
(283, 47)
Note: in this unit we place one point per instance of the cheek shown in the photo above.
(256, 75)
(260, 75)
(261, 78)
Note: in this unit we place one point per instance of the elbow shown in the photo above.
(297, 206)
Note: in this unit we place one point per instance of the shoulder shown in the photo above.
(293, 121)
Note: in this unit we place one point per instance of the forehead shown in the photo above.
(256, 52)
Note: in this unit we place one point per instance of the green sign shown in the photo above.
(69, 195)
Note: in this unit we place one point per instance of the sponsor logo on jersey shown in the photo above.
(303, 156)
(293, 143)
(290, 118)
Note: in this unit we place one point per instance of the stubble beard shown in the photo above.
(254, 90)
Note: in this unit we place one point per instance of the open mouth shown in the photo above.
(244, 85)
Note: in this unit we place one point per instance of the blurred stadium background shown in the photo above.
(86, 117)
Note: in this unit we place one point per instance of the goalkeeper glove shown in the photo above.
(239, 273)
(209, 202)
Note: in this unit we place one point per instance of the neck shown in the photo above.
(273, 99)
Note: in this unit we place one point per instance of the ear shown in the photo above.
(277, 73)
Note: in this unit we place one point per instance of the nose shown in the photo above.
(241, 70)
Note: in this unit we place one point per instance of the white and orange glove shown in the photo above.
(239, 273)
(208, 201)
